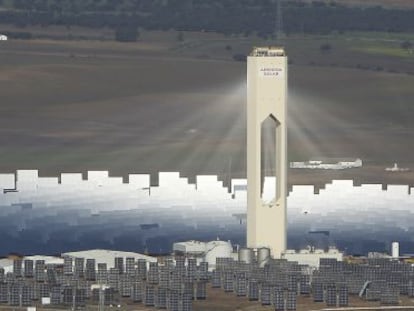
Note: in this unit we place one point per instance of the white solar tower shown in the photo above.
(266, 97)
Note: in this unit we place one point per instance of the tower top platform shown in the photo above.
(270, 51)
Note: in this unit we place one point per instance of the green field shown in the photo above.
(387, 51)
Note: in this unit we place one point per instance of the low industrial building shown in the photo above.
(311, 257)
(108, 256)
(338, 164)
(205, 251)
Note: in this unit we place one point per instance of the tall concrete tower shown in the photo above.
(266, 98)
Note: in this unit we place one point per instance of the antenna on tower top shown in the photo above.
(279, 34)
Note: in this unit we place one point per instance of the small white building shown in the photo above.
(395, 168)
(6, 264)
(311, 257)
(203, 251)
(3, 37)
(330, 164)
(190, 247)
(108, 256)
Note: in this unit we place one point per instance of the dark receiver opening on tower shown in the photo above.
(268, 157)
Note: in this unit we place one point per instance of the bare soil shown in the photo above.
(161, 105)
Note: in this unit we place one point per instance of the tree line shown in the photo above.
(222, 16)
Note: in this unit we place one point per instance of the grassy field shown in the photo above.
(387, 51)
(163, 105)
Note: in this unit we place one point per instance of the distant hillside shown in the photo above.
(222, 16)
(383, 3)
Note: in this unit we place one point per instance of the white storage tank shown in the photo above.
(333, 250)
(263, 256)
(190, 247)
(217, 249)
(395, 250)
(246, 255)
